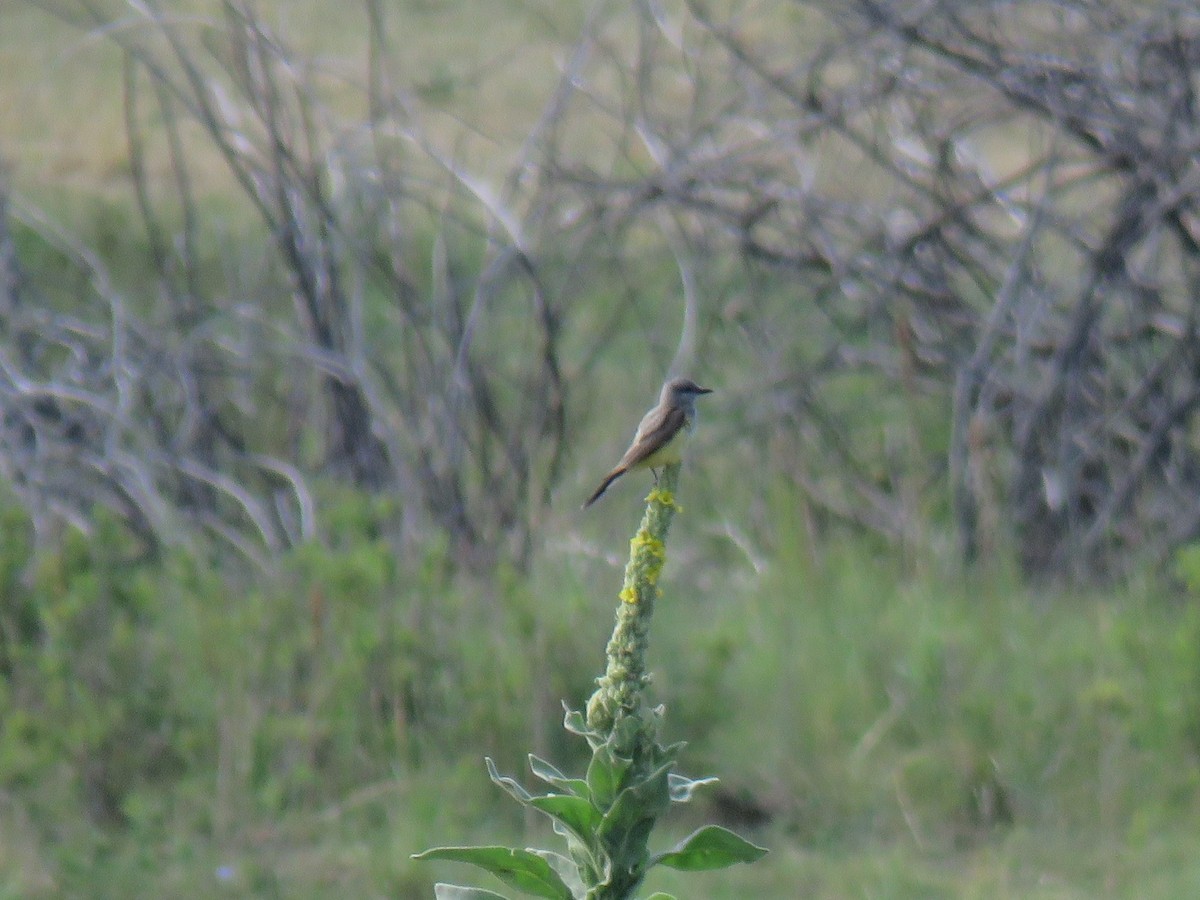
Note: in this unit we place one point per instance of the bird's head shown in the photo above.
(683, 391)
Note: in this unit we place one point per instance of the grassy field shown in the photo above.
(884, 735)
(889, 727)
(62, 100)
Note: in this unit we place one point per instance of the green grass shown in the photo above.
(887, 735)
(61, 95)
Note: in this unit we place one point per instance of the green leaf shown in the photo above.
(683, 788)
(671, 752)
(659, 895)
(457, 892)
(509, 784)
(576, 813)
(590, 861)
(648, 797)
(522, 869)
(604, 776)
(549, 774)
(711, 847)
(626, 828)
(567, 870)
(628, 732)
(574, 722)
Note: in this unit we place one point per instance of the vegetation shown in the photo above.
(607, 816)
(304, 735)
(313, 336)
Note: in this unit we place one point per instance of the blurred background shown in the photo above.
(318, 321)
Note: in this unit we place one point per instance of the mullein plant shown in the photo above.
(607, 816)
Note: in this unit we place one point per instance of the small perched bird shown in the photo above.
(661, 434)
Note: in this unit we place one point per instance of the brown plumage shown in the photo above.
(658, 439)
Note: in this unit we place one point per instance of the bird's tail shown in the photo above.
(612, 476)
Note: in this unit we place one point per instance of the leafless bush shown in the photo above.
(988, 204)
(197, 405)
(969, 232)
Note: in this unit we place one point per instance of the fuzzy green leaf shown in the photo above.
(711, 847)
(604, 777)
(683, 788)
(523, 869)
(627, 824)
(590, 861)
(575, 813)
(648, 797)
(457, 892)
(670, 753)
(574, 722)
(659, 895)
(551, 775)
(509, 784)
(567, 870)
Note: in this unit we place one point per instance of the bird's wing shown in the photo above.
(656, 428)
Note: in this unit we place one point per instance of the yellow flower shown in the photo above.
(663, 497)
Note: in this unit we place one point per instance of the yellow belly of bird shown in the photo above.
(670, 452)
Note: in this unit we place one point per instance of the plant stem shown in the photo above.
(618, 708)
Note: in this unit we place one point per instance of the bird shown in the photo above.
(661, 435)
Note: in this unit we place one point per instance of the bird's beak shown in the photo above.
(700, 390)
